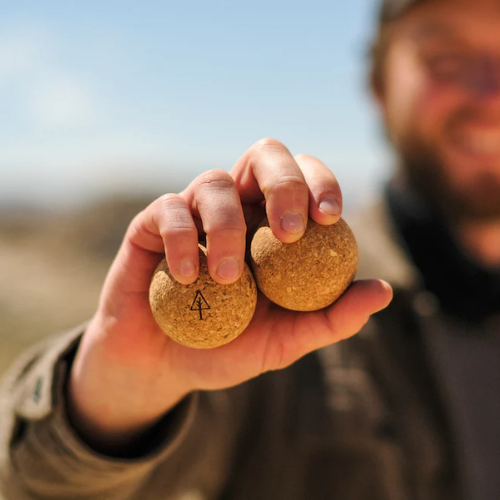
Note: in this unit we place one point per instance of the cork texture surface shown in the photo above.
(309, 274)
(204, 314)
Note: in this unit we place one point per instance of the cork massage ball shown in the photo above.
(204, 314)
(309, 274)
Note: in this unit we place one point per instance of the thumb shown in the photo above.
(341, 320)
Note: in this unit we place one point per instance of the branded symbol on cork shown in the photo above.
(199, 303)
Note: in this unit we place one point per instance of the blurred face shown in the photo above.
(441, 103)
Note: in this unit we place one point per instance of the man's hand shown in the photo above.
(128, 373)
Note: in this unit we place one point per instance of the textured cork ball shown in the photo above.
(204, 314)
(309, 274)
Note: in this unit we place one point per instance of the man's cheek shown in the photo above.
(435, 107)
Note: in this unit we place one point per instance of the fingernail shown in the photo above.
(293, 223)
(228, 269)
(329, 205)
(187, 268)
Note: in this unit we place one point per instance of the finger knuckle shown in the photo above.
(173, 216)
(137, 227)
(304, 156)
(290, 183)
(216, 178)
(170, 201)
(230, 229)
(180, 230)
(270, 143)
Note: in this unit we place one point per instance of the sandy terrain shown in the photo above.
(52, 267)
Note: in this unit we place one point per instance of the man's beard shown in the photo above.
(425, 171)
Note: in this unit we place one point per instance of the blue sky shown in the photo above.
(111, 96)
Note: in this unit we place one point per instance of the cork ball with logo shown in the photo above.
(204, 314)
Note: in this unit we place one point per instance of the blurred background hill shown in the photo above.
(106, 105)
(52, 265)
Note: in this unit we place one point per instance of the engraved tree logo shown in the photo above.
(199, 303)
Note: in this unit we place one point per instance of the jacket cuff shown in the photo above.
(41, 402)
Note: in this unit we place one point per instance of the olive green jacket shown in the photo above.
(359, 420)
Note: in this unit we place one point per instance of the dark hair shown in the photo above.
(389, 12)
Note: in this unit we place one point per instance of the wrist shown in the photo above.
(111, 404)
(121, 437)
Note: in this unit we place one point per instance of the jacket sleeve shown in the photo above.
(42, 457)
